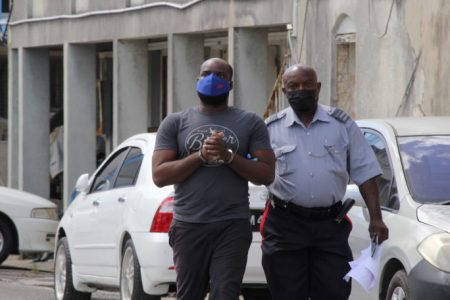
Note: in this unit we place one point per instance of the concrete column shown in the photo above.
(185, 55)
(13, 119)
(247, 48)
(130, 89)
(79, 114)
(33, 111)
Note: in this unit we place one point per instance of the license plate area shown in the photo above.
(256, 218)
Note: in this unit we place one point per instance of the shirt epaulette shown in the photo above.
(339, 115)
(275, 117)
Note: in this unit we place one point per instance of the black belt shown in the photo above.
(308, 212)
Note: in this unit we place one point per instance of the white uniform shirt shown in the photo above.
(314, 163)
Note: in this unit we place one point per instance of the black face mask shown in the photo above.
(302, 101)
(213, 100)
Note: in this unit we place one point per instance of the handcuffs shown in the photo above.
(217, 161)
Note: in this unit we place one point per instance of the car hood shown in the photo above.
(435, 215)
(11, 197)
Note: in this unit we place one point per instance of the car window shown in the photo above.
(105, 178)
(387, 187)
(130, 168)
(426, 162)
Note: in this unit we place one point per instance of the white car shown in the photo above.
(27, 223)
(414, 154)
(114, 234)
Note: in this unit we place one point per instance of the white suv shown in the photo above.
(114, 234)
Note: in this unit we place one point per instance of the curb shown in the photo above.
(15, 261)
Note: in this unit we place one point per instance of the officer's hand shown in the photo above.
(214, 147)
(380, 229)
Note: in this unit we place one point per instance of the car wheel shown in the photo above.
(64, 288)
(398, 287)
(6, 241)
(130, 276)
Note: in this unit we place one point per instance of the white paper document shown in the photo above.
(365, 268)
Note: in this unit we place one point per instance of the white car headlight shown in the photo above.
(436, 250)
(44, 213)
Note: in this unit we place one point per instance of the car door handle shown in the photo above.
(122, 199)
(95, 203)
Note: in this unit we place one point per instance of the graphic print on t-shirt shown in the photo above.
(196, 137)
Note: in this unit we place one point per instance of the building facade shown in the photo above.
(123, 65)
(117, 67)
(4, 15)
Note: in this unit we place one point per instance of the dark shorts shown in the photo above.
(210, 255)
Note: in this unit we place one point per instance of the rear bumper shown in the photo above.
(156, 260)
(428, 282)
(157, 267)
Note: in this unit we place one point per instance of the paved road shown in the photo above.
(13, 290)
(25, 284)
(26, 279)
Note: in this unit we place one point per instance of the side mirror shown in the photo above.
(353, 192)
(82, 183)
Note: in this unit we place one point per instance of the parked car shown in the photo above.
(414, 154)
(27, 223)
(114, 233)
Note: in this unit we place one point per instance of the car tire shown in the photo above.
(398, 287)
(6, 241)
(63, 282)
(130, 276)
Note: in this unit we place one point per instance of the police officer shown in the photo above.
(305, 251)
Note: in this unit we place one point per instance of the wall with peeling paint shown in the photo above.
(428, 26)
(402, 60)
(402, 57)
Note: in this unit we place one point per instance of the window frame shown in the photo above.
(392, 179)
(124, 150)
(122, 165)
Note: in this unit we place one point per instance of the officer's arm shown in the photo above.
(259, 171)
(167, 169)
(369, 191)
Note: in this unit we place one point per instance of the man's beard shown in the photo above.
(213, 100)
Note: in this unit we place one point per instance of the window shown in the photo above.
(157, 97)
(105, 178)
(56, 80)
(345, 76)
(130, 168)
(426, 162)
(3, 97)
(5, 6)
(344, 67)
(387, 187)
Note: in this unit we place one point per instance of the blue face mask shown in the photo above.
(212, 85)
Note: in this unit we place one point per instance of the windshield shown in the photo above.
(426, 162)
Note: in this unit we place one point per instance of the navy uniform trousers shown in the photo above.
(305, 258)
